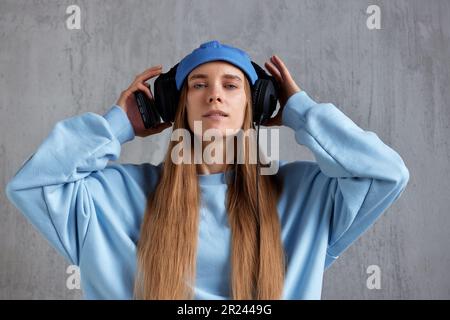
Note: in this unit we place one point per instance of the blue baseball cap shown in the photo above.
(212, 51)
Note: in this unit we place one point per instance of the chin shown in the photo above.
(214, 130)
(221, 128)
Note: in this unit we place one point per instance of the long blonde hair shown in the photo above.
(166, 253)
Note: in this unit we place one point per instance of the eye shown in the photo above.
(196, 86)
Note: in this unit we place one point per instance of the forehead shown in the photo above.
(217, 68)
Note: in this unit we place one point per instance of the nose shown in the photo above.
(214, 94)
(214, 98)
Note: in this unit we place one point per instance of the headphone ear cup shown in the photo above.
(264, 100)
(147, 109)
(167, 95)
(270, 99)
(264, 95)
(257, 106)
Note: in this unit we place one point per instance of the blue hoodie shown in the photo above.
(91, 210)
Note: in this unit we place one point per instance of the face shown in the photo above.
(216, 97)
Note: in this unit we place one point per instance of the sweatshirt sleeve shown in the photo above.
(367, 174)
(50, 187)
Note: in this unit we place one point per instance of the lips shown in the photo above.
(215, 113)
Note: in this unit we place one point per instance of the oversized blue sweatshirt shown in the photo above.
(91, 209)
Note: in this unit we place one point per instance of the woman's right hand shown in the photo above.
(128, 103)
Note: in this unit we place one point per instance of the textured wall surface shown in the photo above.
(393, 81)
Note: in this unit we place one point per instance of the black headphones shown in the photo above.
(166, 96)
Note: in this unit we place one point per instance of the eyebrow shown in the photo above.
(204, 76)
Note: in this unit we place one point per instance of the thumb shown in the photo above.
(156, 129)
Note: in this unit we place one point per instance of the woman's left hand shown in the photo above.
(287, 84)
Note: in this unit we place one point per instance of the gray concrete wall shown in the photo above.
(393, 81)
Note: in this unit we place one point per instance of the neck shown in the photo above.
(210, 168)
(216, 151)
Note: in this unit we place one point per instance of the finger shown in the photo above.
(281, 67)
(147, 74)
(274, 71)
(152, 70)
(134, 87)
(143, 78)
(161, 126)
(151, 74)
(166, 125)
(144, 88)
(157, 67)
(275, 121)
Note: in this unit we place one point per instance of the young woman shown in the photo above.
(192, 230)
